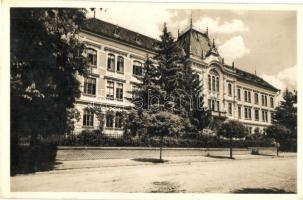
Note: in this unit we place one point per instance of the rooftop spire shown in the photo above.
(206, 30)
(255, 70)
(191, 20)
(178, 31)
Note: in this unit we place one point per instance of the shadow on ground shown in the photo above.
(262, 191)
(151, 160)
(220, 157)
(31, 159)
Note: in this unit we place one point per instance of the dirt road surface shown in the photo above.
(268, 175)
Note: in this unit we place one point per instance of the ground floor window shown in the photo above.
(119, 120)
(88, 118)
(109, 120)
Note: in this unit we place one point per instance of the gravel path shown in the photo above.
(264, 175)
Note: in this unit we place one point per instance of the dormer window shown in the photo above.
(138, 40)
(117, 32)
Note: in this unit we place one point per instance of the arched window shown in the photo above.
(111, 62)
(88, 118)
(120, 64)
(217, 83)
(213, 81)
(92, 57)
(209, 82)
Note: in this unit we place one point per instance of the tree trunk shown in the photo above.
(230, 148)
(161, 143)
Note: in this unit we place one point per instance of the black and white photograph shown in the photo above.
(153, 98)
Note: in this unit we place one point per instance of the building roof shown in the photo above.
(193, 41)
(119, 33)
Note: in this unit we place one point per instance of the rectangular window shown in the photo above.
(119, 91)
(138, 68)
(209, 104)
(229, 90)
(256, 114)
(271, 102)
(230, 109)
(118, 120)
(245, 96)
(239, 94)
(218, 106)
(92, 57)
(246, 113)
(88, 118)
(265, 100)
(90, 85)
(111, 62)
(249, 97)
(256, 98)
(249, 113)
(109, 120)
(120, 64)
(110, 90)
(264, 116)
(239, 112)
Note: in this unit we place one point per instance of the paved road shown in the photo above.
(223, 176)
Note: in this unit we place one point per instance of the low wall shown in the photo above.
(93, 153)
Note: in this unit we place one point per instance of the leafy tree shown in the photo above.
(97, 110)
(232, 129)
(278, 132)
(46, 56)
(286, 113)
(164, 124)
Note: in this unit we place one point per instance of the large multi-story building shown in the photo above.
(117, 55)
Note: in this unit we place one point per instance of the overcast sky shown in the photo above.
(261, 40)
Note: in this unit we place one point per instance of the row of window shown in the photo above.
(113, 89)
(213, 83)
(114, 63)
(247, 98)
(111, 119)
(247, 113)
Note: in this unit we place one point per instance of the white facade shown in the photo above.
(113, 74)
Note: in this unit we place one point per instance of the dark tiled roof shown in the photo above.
(246, 76)
(194, 42)
(119, 33)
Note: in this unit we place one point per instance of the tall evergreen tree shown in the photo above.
(46, 55)
(286, 113)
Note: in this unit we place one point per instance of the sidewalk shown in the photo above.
(100, 163)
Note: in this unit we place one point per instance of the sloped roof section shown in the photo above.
(195, 42)
(246, 76)
(107, 29)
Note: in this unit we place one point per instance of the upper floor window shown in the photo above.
(138, 68)
(271, 102)
(229, 89)
(256, 98)
(245, 96)
(247, 113)
(111, 62)
(120, 64)
(88, 118)
(92, 57)
(239, 112)
(265, 100)
(249, 96)
(110, 89)
(90, 85)
(209, 82)
(239, 94)
(213, 81)
(264, 116)
(119, 91)
(217, 84)
(256, 114)
(230, 108)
